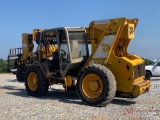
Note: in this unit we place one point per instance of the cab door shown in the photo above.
(63, 51)
(75, 46)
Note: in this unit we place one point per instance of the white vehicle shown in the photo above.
(153, 70)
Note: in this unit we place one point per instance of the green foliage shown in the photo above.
(12, 61)
(3, 66)
(148, 62)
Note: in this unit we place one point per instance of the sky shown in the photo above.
(22, 16)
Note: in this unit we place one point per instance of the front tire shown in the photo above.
(96, 85)
(35, 82)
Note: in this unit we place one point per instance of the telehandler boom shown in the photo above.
(93, 60)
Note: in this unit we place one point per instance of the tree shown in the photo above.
(147, 61)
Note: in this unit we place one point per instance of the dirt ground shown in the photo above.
(15, 104)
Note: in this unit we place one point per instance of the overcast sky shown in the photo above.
(22, 16)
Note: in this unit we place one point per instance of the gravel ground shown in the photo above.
(15, 104)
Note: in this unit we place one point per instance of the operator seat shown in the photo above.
(75, 49)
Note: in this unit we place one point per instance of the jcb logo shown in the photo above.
(131, 30)
(105, 47)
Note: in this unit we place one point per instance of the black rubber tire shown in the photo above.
(148, 75)
(20, 74)
(109, 85)
(43, 83)
(71, 88)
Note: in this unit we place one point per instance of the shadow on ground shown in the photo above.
(123, 101)
(15, 80)
(66, 97)
(10, 87)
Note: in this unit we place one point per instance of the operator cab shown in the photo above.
(70, 50)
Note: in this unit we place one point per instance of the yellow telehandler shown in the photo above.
(93, 61)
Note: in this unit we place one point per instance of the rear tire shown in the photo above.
(35, 82)
(20, 74)
(96, 85)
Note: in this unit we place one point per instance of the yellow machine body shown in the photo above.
(109, 41)
(63, 58)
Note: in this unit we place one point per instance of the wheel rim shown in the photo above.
(92, 86)
(32, 81)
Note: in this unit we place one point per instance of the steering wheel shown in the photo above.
(64, 53)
